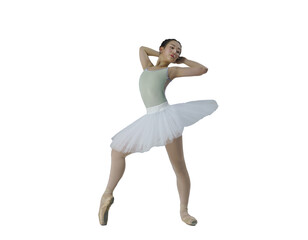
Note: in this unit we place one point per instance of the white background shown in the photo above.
(69, 82)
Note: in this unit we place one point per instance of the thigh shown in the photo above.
(119, 154)
(176, 154)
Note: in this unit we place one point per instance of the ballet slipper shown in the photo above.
(106, 202)
(189, 220)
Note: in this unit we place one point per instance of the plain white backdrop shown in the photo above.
(69, 82)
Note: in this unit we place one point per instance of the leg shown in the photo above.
(176, 156)
(116, 172)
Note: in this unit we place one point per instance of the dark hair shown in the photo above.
(164, 43)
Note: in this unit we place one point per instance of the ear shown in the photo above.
(161, 49)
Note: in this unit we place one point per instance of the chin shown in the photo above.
(171, 60)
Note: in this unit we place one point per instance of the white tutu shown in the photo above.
(161, 125)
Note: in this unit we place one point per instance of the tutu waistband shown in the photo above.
(157, 108)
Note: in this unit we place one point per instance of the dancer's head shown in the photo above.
(170, 50)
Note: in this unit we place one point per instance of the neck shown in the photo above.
(161, 63)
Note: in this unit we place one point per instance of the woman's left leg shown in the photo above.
(176, 156)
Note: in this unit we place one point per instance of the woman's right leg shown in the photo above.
(116, 172)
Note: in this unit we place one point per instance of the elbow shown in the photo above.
(142, 49)
(203, 70)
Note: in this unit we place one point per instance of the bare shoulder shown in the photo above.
(175, 72)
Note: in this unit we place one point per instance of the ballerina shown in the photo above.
(162, 125)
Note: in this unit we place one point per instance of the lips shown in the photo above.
(172, 55)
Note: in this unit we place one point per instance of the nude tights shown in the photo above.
(176, 156)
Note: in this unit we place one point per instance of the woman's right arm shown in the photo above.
(144, 53)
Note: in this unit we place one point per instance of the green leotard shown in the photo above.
(152, 85)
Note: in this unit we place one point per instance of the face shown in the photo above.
(172, 51)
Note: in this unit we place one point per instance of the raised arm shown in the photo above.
(194, 69)
(144, 53)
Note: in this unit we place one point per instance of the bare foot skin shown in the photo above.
(106, 201)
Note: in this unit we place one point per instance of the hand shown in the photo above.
(180, 60)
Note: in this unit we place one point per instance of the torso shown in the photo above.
(170, 72)
(152, 85)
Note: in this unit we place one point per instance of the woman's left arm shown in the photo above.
(194, 69)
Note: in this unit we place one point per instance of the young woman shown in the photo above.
(162, 125)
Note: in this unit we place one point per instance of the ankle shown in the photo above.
(182, 205)
(183, 209)
(108, 192)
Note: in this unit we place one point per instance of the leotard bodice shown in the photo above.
(152, 86)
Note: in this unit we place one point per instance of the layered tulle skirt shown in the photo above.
(161, 125)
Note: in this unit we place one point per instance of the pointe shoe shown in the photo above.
(189, 220)
(106, 202)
